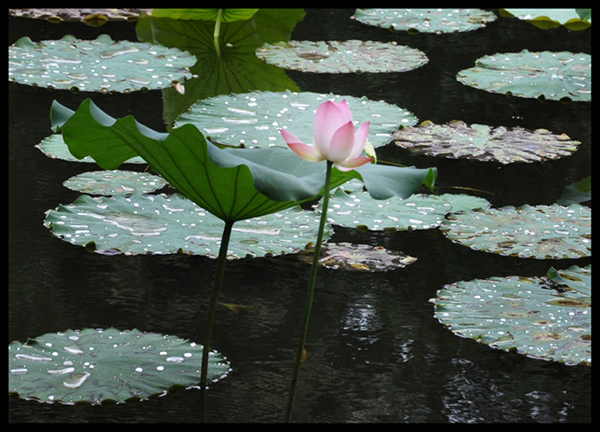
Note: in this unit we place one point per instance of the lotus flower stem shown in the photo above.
(301, 354)
(212, 305)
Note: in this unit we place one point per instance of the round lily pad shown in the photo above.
(357, 209)
(456, 140)
(54, 147)
(95, 366)
(100, 65)
(549, 18)
(253, 119)
(542, 232)
(356, 257)
(352, 56)
(546, 75)
(532, 316)
(115, 182)
(436, 21)
(154, 224)
(92, 17)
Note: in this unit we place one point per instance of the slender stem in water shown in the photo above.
(212, 305)
(217, 31)
(301, 354)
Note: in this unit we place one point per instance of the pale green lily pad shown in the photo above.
(457, 140)
(154, 224)
(54, 147)
(92, 17)
(95, 366)
(352, 56)
(542, 232)
(357, 257)
(549, 18)
(100, 65)
(548, 75)
(358, 210)
(436, 21)
(532, 316)
(114, 182)
(253, 119)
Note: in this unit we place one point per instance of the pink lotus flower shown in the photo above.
(334, 138)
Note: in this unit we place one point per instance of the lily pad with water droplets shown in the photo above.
(54, 147)
(114, 182)
(542, 232)
(532, 316)
(95, 366)
(154, 224)
(100, 65)
(456, 139)
(253, 119)
(436, 21)
(549, 18)
(548, 75)
(357, 209)
(92, 17)
(352, 56)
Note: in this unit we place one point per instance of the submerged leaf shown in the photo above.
(527, 315)
(95, 366)
(485, 143)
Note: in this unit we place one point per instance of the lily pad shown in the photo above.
(154, 224)
(54, 147)
(115, 182)
(544, 75)
(436, 21)
(456, 140)
(352, 56)
(253, 119)
(357, 209)
(542, 232)
(100, 65)
(532, 316)
(549, 18)
(95, 366)
(92, 17)
(356, 257)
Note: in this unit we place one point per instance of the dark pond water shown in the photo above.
(376, 354)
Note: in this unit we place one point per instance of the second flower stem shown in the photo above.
(301, 354)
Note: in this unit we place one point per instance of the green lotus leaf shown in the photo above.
(100, 65)
(425, 20)
(54, 147)
(357, 257)
(544, 75)
(114, 182)
(154, 224)
(95, 366)
(253, 119)
(352, 56)
(232, 184)
(456, 139)
(542, 232)
(532, 316)
(577, 193)
(358, 209)
(549, 18)
(228, 15)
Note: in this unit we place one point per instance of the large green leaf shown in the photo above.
(100, 65)
(544, 75)
(154, 224)
(541, 317)
(96, 366)
(550, 18)
(228, 15)
(232, 184)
